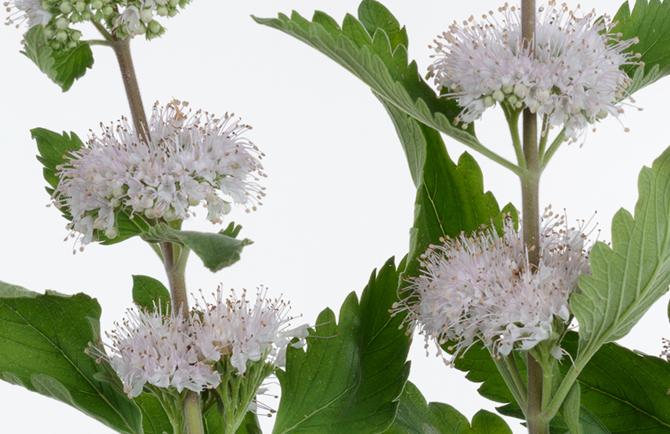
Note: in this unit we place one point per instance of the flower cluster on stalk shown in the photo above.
(570, 74)
(177, 352)
(190, 158)
(121, 18)
(481, 287)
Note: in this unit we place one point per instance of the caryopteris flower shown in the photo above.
(153, 350)
(189, 159)
(570, 74)
(27, 10)
(480, 287)
(244, 330)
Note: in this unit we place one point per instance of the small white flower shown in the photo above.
(570, 74)
(27, 10)
(130, 18)
(156, 350)
(480, 287)
(243, 329)
(190, 159)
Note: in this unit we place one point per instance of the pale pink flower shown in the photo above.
(480, 287)
(570, 74)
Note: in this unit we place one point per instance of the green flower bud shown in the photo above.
(107, 10)
(66, 7)
(489, 101)
(55, 45)
(80, 6)
(162, 11)
(174, 3)
(512, 99)
(49, 33)
(96, 4)
(61, 36)
(71, 44)
(602, 114)
(161, 2)
(111, 233)
(154, 27)
(508, 89)
(76, 35)
(146, 16)
(75, 17)
(498, 95)
(62, 23)
(173, 12)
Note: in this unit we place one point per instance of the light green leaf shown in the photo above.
(631, 275)
(650, 23)
(217, 251)
(353, 371)
(485, 422)
(42, 343)
(63, 67)
(149, 293)
(571, 408)
(378, 57)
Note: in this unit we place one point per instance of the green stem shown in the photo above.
(98, 42)
(512, 117)
(558, 141)
(193, 414)
(510, 373)
(544, 136)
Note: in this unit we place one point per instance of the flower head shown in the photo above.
(243, 330)
(27, 10)
(189, 159)
(481, 287)
(150, 349)
(570, 74)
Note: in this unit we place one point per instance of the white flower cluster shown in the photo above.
(168, 351)
(480, 287)
(158, 350)
(570, 74)
(122, 18)
(188, 160)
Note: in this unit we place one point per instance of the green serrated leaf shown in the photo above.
(415, 416)
(450, 197)
(42, 343)
(374, 15)
(150, 293)
(62, 67)
(217, 251)
(650, 23)
(631, 275)
(353, 371)
(382, 64)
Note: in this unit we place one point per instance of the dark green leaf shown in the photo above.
(352, 373)
(63, 67)
(42, 343)
(650, 23)
(149, 292)
(217, 251)
(450, 198)
(625, 390)
(415, 416)
(154, 418)
(631, 275)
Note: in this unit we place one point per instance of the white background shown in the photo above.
(340, 197)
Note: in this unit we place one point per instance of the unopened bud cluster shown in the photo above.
(121, 18)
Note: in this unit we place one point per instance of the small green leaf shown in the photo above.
(42, 343)
(62, 67)
(149, 293)
(631, 275)
(650, 23)
(217, 251)
(485, 422)
(352, 373)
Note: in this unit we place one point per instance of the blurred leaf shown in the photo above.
(631, 275)
(217, 251)
(415, 416)
(42, 343)
(149, 292)
(650, 23)
(62, 67)
(352, 373)
(374, 49)
(154, 418)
